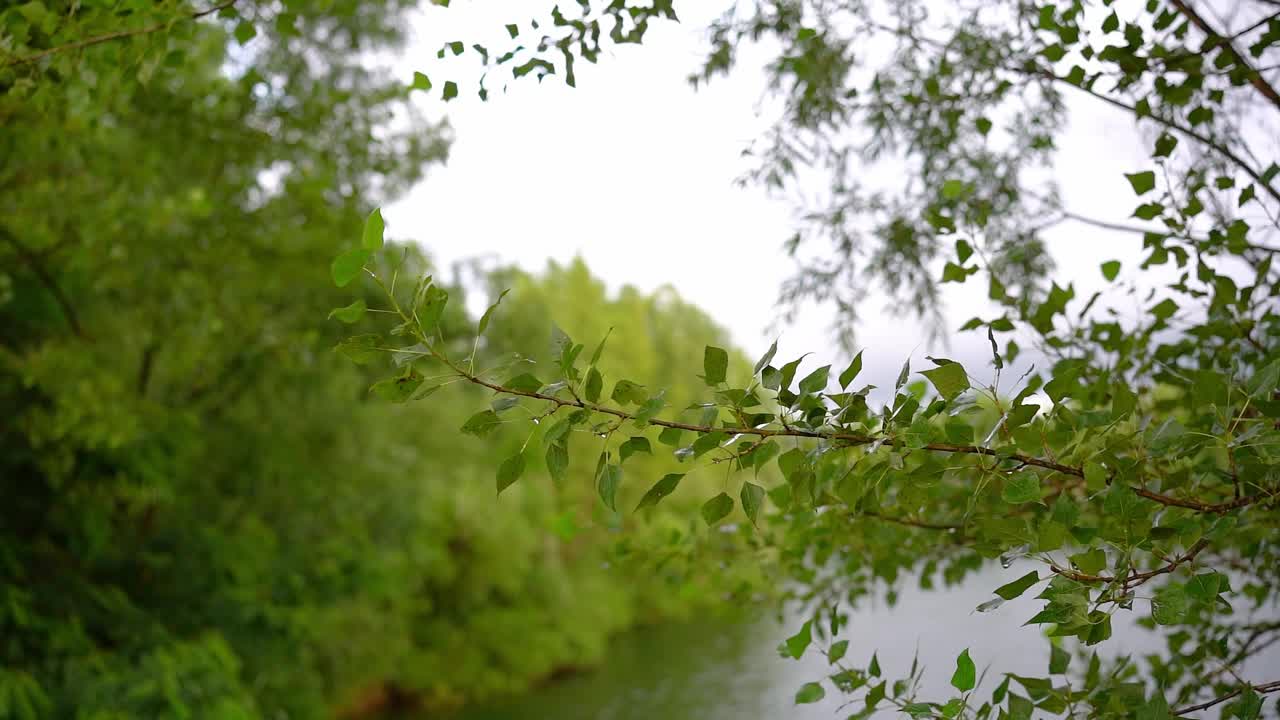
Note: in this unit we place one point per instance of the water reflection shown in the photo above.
(730, 669)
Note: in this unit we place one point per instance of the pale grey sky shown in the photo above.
(634, 169)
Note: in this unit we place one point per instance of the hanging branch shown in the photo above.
(856, 439)
(118, 35)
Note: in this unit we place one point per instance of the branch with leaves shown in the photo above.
(117, 35)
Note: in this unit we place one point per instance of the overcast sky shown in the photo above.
(634, 171)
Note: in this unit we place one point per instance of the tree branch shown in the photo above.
(854, 439)
(1205, 140)
(906, 521)
(1216, 39)
(1120, 227)
(38, 269)
(1263, 688)
(118, 35)
(1033, 69)
(1136, 579)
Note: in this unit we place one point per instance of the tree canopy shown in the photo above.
(205, 511)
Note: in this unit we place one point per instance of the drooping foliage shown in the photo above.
(1136, 461)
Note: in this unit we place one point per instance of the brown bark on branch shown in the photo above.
(1263, 688)
(1215, 39)
(855, 439)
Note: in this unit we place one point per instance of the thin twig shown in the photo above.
(42, 274)
(1263, 688)
(1216, 39)
(1137, 578)
(907, 521)
(855, 439)
(118, 35)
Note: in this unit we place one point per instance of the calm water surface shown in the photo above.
(731, 670)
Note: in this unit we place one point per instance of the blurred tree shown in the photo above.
(203, 515)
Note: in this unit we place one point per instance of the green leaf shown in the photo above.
(1170, 605)
(503, 403)
(752, 497)
(851, 372)
(593, 386)
(245, 31)
(717, 508)
(1091, 562)
(1249, 707)
(510, 470)
(952, 272)
(1148, 211)
(1122, 502)
(670, 436)
(625, 391)
(660, 490)
(766, 358)
(595, 356)
(400, 388)
(965, 676)
(1023, 487)
(374, 228)
(557, 460)
(798, 643)
(1143, 182)
(788, 374)
(1264, 381)
(837, 651)
(482, 423)
(433, 303)
(873, 668)
(949, 379)
(421, 82)
(810, 692)
(351, 313)
(952, 189)
(1110, 269)
(815, 381)
(876, 694)
(715, 362)
(650, 408)
(450, 90)
(607, 485)
(633, 446)
(997, 695)
(1204, 587)
(1058, 660)
(524, 382)
(360, 349)
(1009, 591)
(348, 265)
(484, 319)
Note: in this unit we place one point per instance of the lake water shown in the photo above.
(731, 670)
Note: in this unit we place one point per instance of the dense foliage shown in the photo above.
(1136, 461)
(203, 513)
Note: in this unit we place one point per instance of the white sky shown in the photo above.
(633, 170)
